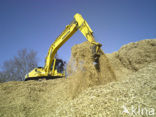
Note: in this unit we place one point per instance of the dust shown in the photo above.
(82, 71)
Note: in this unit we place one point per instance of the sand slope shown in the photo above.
(132, 57)
(139, 89)
(134, 67)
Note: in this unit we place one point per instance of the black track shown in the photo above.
(43, 77)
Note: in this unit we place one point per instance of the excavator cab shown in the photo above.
(58, 66)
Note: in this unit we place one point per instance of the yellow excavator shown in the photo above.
(49, 71)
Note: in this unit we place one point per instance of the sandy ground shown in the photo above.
(127, 79)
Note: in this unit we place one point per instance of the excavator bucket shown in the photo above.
(96, 55)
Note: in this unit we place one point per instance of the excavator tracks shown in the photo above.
(40, 78)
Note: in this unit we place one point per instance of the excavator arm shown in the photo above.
(77, 24)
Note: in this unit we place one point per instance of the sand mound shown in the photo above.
(50, 98)
(132, 57)
(82, 71)
(135, 56)
(32, 98)
(138, 91)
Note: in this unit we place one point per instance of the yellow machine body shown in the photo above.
(49, 71)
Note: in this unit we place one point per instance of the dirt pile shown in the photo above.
(132, 57)
(82, 70)
(135, 56)
(137, 91)
(50, 98)
(32, 98)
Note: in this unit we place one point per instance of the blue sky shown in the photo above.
(35, 24)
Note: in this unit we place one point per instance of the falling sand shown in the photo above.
(83, 71)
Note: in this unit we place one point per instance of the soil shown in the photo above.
(126, 78)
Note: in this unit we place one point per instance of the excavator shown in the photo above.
(49, 70)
